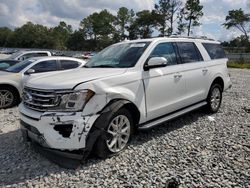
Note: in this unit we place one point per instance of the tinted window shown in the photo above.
(30, 55)
(25, 56)
(189, 52)
(67, 64)
(40, 54)
(165, 50)
(20, 66)
(45, 66)
(215, 51)
(6, 64)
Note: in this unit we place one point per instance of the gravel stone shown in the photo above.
(195, 150)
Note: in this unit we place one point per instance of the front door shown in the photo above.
(164, 87)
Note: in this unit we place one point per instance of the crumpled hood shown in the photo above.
(69, 79)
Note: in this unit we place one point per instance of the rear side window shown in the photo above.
(188, 52)
(40, 54)
(67, 64)
(165, 50)
(215, 51)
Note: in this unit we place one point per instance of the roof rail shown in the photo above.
(188, 37)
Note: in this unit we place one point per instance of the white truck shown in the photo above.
(23, 55)
(130, 85)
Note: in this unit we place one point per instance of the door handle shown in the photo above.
(204, 70)
(177, 76)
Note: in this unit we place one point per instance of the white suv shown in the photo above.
(127, 86)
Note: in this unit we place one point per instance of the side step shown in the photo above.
(156, 122)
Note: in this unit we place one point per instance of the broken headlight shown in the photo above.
(75, 101)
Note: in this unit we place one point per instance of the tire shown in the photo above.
(103, 147)
(214, 98)
(8, 97)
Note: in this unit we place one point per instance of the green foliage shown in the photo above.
(238, 64)
(5, 33)
(237, 19)
(99, 27)
(164, 14)
(192, 13)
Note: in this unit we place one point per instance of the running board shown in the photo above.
(156, 122)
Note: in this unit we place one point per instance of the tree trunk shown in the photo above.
(189, 26)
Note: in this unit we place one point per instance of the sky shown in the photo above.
(15, 13)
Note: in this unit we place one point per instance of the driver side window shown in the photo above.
(167, 51)
(45, 66)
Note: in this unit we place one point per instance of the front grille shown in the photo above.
(40, 100)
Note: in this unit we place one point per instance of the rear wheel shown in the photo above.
(8, 97)
(119, 128)
(214, 98)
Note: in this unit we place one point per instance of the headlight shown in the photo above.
(73, 102)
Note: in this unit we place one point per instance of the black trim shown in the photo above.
(36, 119)
(152, 120)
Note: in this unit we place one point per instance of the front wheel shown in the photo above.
(214, 98)
(8, 97)
(120, 128)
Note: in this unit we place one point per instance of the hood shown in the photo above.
(5, 73)
(69, 79)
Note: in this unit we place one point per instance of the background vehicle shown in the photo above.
(130, 85)
(13, 78)
(23, 55)
(6, 63)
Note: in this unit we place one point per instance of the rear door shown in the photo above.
(165, 86)
(194, 71)
(68, 64)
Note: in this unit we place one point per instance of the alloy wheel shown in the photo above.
(215, 98)
(6, 98)
(119, 128)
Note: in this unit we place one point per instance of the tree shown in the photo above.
(61, 33)
(4, 35)
(181, 24)
(32, 36)
(99, 27)
(142, 27)
(237, 19)
(165, 15)
(122, 20)
(192, 13)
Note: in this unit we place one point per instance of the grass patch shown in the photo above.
(239, 64)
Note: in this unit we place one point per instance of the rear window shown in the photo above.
(215, 51)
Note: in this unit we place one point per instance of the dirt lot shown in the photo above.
(197, 150)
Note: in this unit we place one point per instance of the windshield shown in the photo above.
(118, 56)
(15, 55)
(19, 66)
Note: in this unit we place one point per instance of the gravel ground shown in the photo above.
(196, 150)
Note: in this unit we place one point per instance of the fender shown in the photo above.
(97, 129)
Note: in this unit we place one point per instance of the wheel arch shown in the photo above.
(11, 86)
(218, 80)
(116, 104)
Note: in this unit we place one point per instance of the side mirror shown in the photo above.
(155, 62)
(30, 71)
(21, 58)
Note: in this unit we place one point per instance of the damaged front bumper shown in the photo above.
(58, 136)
